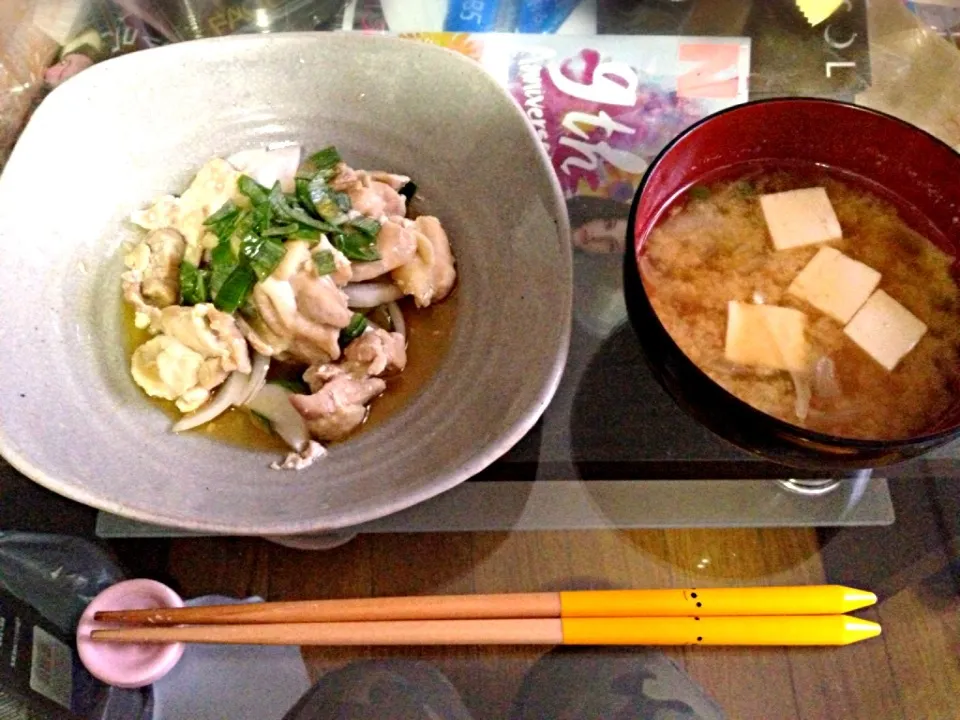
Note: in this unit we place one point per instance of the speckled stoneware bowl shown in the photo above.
(122, 133)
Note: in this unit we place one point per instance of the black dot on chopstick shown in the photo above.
(699, 639)
(693, 595)
(696, 618)
(699, 604)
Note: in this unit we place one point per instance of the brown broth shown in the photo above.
(429, 334)
(708, 251)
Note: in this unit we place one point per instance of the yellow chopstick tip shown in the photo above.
(854, 599)
(856, 630)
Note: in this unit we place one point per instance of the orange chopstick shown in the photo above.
(689, 602)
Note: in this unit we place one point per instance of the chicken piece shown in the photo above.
(157, 261)
(209, 332)
(166, 368)
(378, 352)
(299, 314)
(397, 245)
(152, 280)
(214, 185)
(146, 316)
(339, 406)
(395, 181)
(430, 277)
(370, 196)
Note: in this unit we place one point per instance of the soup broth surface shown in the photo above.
(713, 247)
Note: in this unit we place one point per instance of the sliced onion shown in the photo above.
(228, 395)
(396, 317)
(273, 402)
(825, 383)
(802, 383)
(257, 377)
(372, 294)
(268, 165)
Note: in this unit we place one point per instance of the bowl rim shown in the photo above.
(928, 439)
(442, 481)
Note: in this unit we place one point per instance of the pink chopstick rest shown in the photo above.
(127, 665)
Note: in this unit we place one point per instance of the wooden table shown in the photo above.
(911, 672)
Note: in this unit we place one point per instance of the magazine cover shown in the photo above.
(603, 108)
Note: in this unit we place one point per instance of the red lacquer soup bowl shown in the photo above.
(917, 172)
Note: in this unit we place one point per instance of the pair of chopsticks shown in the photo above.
(801, 615)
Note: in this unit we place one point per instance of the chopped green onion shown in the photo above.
(409, 190)
(262, 254)
(253, 190)
(746, 189)
(223, 261)
(228, 210)
(303, 197)
(193, 284)
(699, 192)
(366, 225)
(326, 160)
(236, 288)
(282, 230)
(325, 262)
(358, 323)
(332, 206)
(305, 233)
(357, 247)
(292, 214)
(262, 217)
(223, 222)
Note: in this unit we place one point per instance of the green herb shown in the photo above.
(262, 254)
(223, 261)
(700, 192)
(290, 214)
(282, 230)
(366, 225)
(746, 189)
(227, 211)
(261, 217)
(303, 197)
(357, 246)
(253, 190)
(223, 222)
(326, 160)
(305, 233)
(235, 288)
(358, 323)
(294, 385)
(193, 284)
(332, 206)
(325, 262)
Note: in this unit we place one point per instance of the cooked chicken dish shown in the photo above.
(266, 260)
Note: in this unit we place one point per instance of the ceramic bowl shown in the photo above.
(122, 133)
(916, 170)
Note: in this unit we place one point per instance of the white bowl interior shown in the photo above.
(126, 131)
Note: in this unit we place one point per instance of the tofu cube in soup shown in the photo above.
(800, 217)
(835, 284)
(766, 336)
(885, 330)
